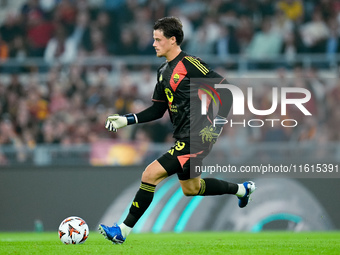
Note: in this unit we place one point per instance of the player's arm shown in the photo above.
(155, 111)
(224, 109)
(199, 69)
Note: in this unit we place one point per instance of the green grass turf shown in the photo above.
(177, 244)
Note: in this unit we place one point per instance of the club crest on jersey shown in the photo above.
(176, 77)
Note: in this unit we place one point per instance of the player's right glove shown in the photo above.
(212, 132)
(116, 121)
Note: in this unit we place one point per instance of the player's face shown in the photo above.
(162, 44)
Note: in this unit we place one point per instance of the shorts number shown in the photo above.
(179, 146)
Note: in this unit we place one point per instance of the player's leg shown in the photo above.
(210, 187)
(213, 187)
(192, 184)
(152, 176)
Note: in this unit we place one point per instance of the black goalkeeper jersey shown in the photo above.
(176, 88)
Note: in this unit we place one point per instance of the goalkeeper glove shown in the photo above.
(113, 122)
(212, 132)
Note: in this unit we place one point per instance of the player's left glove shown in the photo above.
(211, 133)
(114, 122)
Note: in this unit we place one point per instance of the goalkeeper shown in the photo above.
(194, 132)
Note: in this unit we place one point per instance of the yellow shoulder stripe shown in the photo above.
(198, 65)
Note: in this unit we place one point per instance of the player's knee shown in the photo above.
(190, 191)
(153, 175)
(148, 176)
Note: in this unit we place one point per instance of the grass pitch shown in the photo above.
(172, 243)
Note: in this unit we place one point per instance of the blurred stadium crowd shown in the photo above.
(66, 29)
(68, 108)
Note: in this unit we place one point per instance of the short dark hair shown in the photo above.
(171, 26)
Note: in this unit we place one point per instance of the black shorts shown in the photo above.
(183, 157)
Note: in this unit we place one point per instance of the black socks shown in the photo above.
(212, 187)
(141, 202)
(144, 196)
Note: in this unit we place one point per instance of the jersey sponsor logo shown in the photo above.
(173, 108)
(198, 65)
(170, 97)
